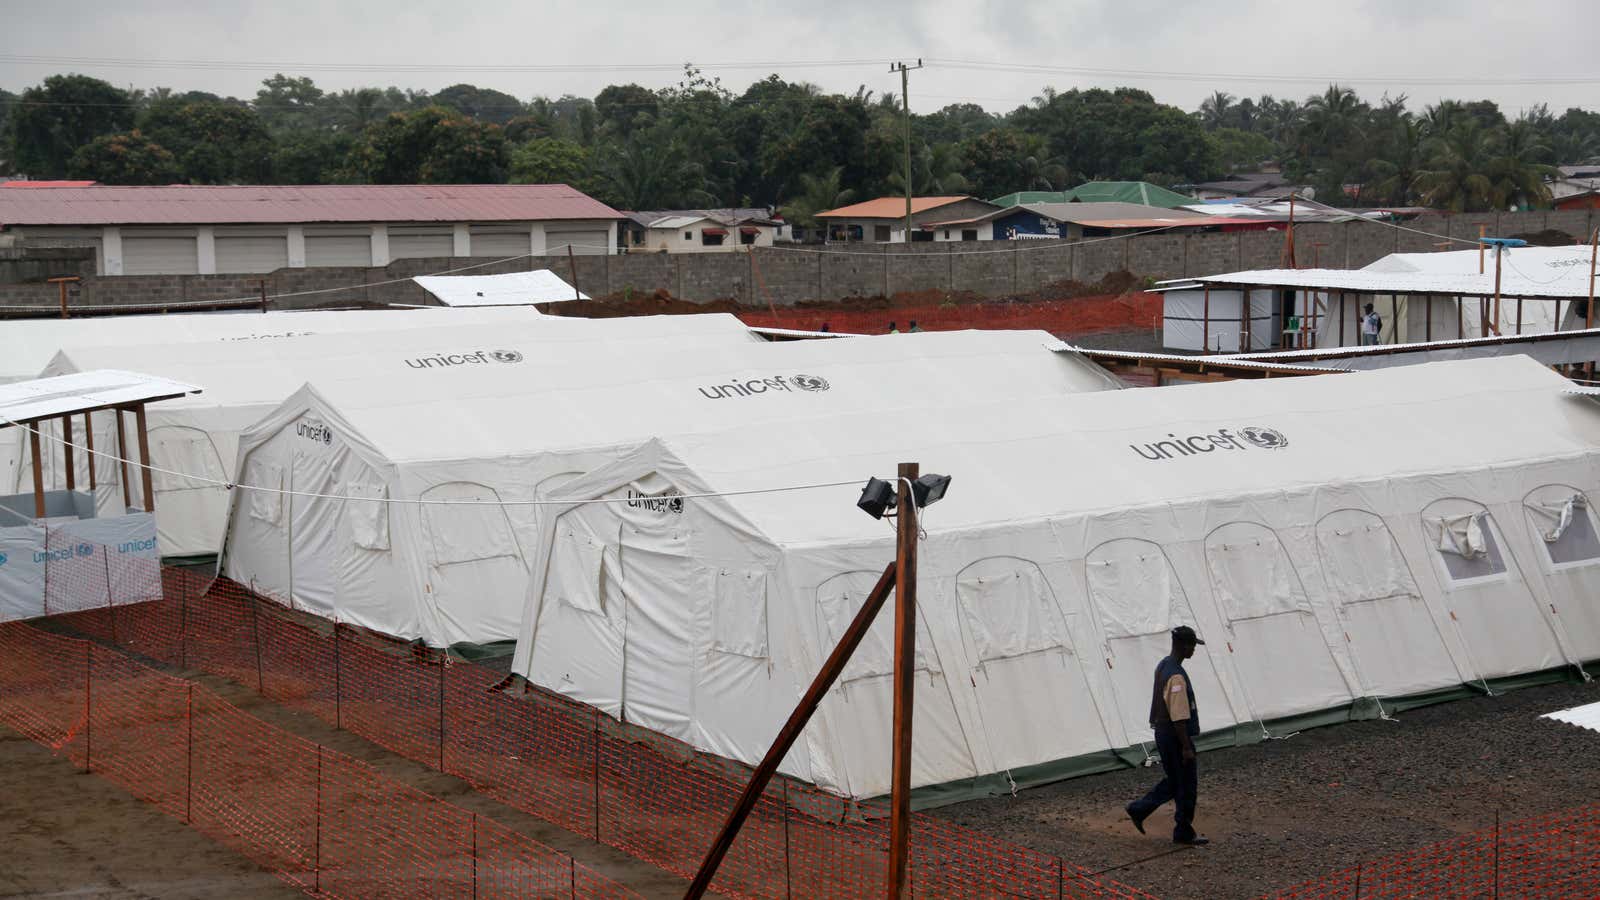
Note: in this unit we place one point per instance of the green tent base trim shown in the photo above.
(1002, 783)
(479, 652)
(199, 563)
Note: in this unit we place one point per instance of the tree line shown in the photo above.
(784, 144)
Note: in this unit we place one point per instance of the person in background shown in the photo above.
(1371, 327)
(893, 328)
(824, 328)
(1176, 722)
(914, 327)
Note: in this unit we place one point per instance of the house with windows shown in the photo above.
(883, 221)
(700, 230)
(1141, 192)
(211, 229)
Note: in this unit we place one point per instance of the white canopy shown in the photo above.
(26, 345)
(511, 289)
(245, 380)
(1379, 534)
(22, 401)
(452, 573)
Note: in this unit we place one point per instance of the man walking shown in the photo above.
(1176, 722)
(1371, 327)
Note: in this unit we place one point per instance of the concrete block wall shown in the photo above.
(783, 276)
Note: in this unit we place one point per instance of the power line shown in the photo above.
(1260, 77)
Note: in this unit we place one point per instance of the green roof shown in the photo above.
(1141, 192)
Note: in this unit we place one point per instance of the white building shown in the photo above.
(204, 230)
(700, 230)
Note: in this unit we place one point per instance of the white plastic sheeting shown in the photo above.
(1287, 520)
(517, 432)
(510, 289)
(246, 379)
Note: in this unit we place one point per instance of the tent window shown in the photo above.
(739, 614)
(1252, 573)
(1360, 558)
(463, 532)
(369, 519)
(579, 566)
(1466, 545)
(1564, 524)
(1009, 609)
(187, 452)
(267, 506)
(838, 601)
(1133, 588)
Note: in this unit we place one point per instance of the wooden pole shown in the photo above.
(38, 469)
(1205, 324)
(66, 451)
(1483, 231)
(1427, 327)
(1497, 252)
(144, 458)
(122, 460)
(1341, 319)
(790, 732)
(572, 266)
(905, 665)
(62, 282)
(1588, 313)
(88, 442)
(263, 284)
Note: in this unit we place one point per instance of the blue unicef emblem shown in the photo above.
(85, 549)
(2, 559)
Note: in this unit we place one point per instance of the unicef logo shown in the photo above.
(506, 356)
(1265, 438)
(810, 382)
(85, 549)
(2, 559)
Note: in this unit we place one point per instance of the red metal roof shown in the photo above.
(44, 184)
(195, 204)
(888, 208)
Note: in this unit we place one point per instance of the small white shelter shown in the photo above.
(452, 459)
(245, 380)
(1376, 535)
(510, 289)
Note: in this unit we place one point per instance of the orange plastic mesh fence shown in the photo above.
(1084, 315)
(651, 796)
(321, 820)
(1551, 856)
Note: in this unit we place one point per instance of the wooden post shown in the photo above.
(572, 266)
(122, 460)
(1341, 319)
(1461, 324)
(263, 284)
(88, 443)
(1588, 313)
(1483, 231)
(791, 729)
(904, 680)
(62, 282)
(66, 452)
(1427, 328)
(144, 458)
(38, 468)
(1497, 252)
(1519, 315)
(1205, 325)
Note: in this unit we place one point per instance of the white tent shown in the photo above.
(453, 573)
(28, 345)
(510, 289)
(1381, 534)
(245, 380)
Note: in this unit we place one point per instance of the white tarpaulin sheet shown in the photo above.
(510, 289)
(516, 432)
(1077, 530)
(1587, 716)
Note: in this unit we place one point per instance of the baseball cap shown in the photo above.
(1185, 633)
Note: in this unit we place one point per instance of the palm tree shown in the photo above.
(818, 193)
(651, 172)
(1454, 177)
(1516, 170)
(1050, 174)
(1394, 176)
(1438, 119)
(1333, 117)
(935, 170)
(1216, 110)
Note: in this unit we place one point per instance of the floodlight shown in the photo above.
(877, 498)
(929, 489)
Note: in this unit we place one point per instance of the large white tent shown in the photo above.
(1374, 535)
(245, 380)
(446, 562)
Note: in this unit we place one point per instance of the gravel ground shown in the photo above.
(1283, 812)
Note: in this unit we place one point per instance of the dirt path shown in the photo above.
(1287, 811)
(67, 834)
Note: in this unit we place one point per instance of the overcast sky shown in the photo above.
(1512, 53)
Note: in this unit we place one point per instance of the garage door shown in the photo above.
(411, 242)
(500, 241)
(583, 243)
(339, 246)
(160, 255)
(244, 251)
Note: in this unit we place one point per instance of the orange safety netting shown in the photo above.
(648, 795)
(1078, 316)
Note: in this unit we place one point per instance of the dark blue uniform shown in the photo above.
(1181, 783)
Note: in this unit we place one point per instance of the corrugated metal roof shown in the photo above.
(889, 207)
(1587, 716)
(1368, 281)
(24, 401)
(196, 204)
(19, 183)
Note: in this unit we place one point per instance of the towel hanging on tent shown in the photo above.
(1463, 535)
(1555, 518)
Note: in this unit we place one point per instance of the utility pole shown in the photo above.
(905, 105)
(904, 681)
